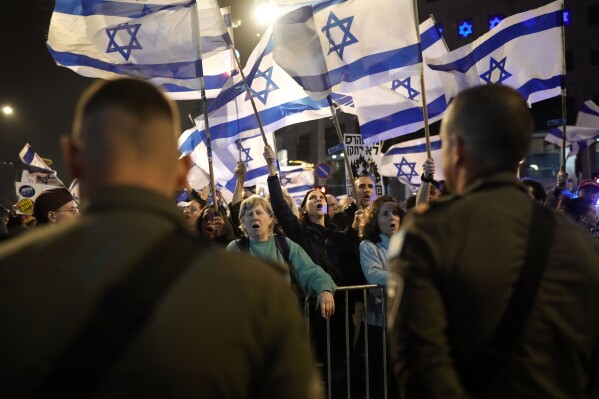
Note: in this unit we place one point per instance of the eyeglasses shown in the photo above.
(72, 211)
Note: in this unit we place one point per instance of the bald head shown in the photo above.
(495, 124)
(486, 129)
(124, 132)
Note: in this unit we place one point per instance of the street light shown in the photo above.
(7, 110)
(266, 13)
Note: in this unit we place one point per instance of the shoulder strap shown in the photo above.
(283, 247)
(488, 363)
(244, 244)
(120, 315)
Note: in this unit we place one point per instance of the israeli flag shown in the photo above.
(279, 101)
(36, 170)
(348, 45)
(297, 180)
(249, 149)
(583, 134)
(524, 51)
(156, 41)
(395, 108)
(588, 115)
(199, 178)
(405, 161)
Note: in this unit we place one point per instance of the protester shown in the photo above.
(192, 212)
(466, 316)
(55, 206)
(535, 190)
(257, 223)
(381, 221)
(430, 189)
(331, 249)
(332, 206)
(221, 325)
(351, 216)
(215, 227)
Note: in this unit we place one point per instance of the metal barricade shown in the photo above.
(348, 346)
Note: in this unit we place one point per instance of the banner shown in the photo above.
(363, 159)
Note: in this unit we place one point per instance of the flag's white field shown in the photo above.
(395, 108)
(347, 45)
(583, 134)
(248, 149)
(157, 41)
(198, 179)
(37, 171)
(405, 161)
(588, 115)
(524, 51)
(297, 180)
(279, 101)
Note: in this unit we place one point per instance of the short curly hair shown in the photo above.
(369, 228)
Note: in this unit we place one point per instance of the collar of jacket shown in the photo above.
(135, 199)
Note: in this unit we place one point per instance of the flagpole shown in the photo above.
(346, 157)
(422, 88)
(251, 96)
(563, 93)
(195, 29)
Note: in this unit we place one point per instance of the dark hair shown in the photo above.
(537, 189)
(229, 231)
(495, 124)
(410, 202)
(369, 228)
(303, 215)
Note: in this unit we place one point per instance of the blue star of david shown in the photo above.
(285, 180)
(405, 83)
(262, 95)
(494, 22)
(465, 29)
(503, 74)
(400, 171)
(124, 50)
(248, 157)
(345, 26)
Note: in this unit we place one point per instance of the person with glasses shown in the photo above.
(55, 206)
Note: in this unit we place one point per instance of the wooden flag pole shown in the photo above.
(195, 28)
(422, 86)
(563, 168)
(346, 157)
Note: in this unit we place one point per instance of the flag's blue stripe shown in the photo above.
(173, 70)
(257, 172)
(420, 148)
(535, 85)
(365, 66)
(299, 189)
(586, 110)
(267, 116)
(192, 141)
(342, 99)
(402, 118)
(112, 8)
(290, 171)
(29, 155)
(326, 4)
(534, 25)
(227, 18)
(556, 132)
(429, 37)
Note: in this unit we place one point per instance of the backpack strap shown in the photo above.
(283, 247)
(119, 317)
(492, 356)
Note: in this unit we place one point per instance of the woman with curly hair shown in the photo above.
(381, 221)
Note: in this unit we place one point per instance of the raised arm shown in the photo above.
(423, 195)
(240, 172)
(288, 221)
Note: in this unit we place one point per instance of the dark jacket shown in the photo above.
(457, 263)
(327, 246)
(229, 327)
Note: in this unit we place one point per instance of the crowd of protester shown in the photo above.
(323, 244)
